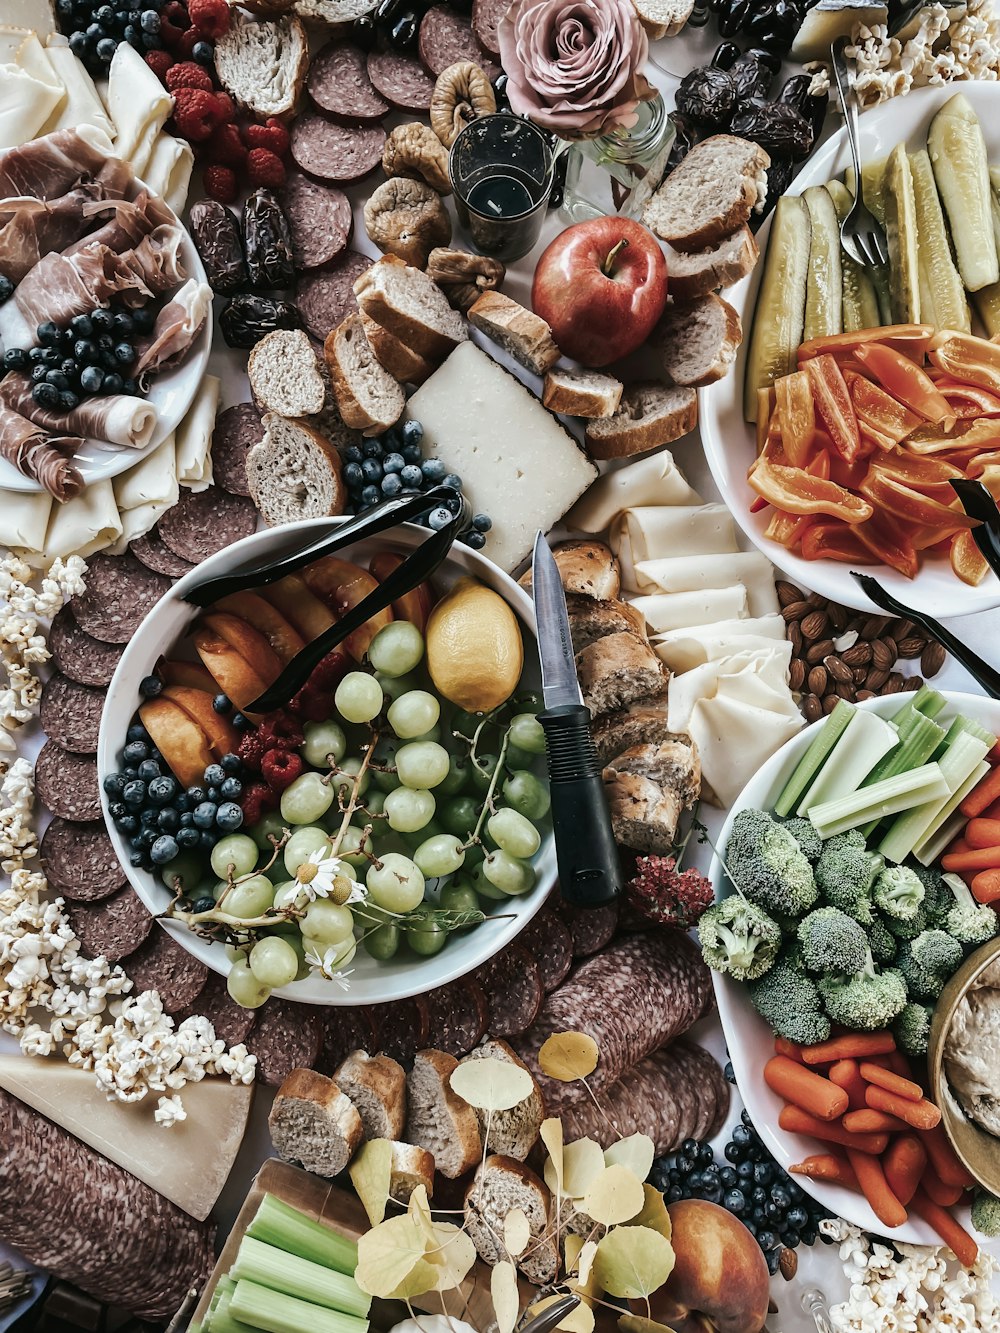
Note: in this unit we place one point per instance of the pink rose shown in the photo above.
(575, 66)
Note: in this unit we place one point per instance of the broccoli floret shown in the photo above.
(970, 922)
(845, 874)
(928, 961)
(832, 942)
(986, 1213)
(739, 937)
(790, 1002)
(908, 930)
(937, 899)
(898, 892)
(912, 1028)
(767, 866)
(882, 942)
(866, 1000)
(810, 843)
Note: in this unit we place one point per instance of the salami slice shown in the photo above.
(70, 714)
(707, 1078)
(447, 37)
(161, 964)
(645, 1100)
(486, 16)
(79, 861)
(459, 1014)
(690, 1080)
(67, 783)
(236, 431)
(401, 80)
(339, 84)
(204, 522)
(232, 1023)
(113, 928)
(401, 1028)
(592, 928)
(286, 1037)
(325, 297)
(79, 655)
(546, 937)
(345, 1029)
(120, 593)
(319, 219)
(335, 152)
(150, 551)
(512, 983)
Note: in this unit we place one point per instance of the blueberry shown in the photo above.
(207, 839)
(735, 1202)
(124, 353)
(391, 485)
(150, 687)
(196, 795)
(168, 820)
(808, 1236)
(136, 732)
(482, 522)
(117, 810)
(353, 475)
(231, 789)
(763, 1173)
(767, 1240)
(240, 722)
(106, 48)
(372, 470)
(147, 837)
(150, 769)
(453, 480)
(411, 475)
(113, 383)
(229, 817)
(371, 495)
(214, 774)
(47, 333)
(373, 448)
(128, 823)
(149, 20)
(183, 804)
(136, 859)
(148, 819)
(203, 52)
(790, 1238)
(745, 1171)
(439, 518)
(674, 1193)
(188, 837)
(143, 320)
(46, 395)
(68, 400)
(232, 764)
(413, 432)
(82, 326)
(797, 1218)
(773, 1260)
(134, 794)
(113, 784)
(204, 814)
(135, 752)
(728, 1177)
(475, 540)
(130, 386)
(79, 44)
(741, 1134)
(222, 704)
(393, 462)
(163, 789)
(15, 358)
(132, 35)
(205, 904)
(214, 795)
(164, 849)
(453, 505)
(433, 469)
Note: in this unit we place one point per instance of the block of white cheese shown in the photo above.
(681, 573)
(654, 480)
(654, 532)
(87, 523)
(682, 649)
(517, 463)
(34, 15)
(831, 19)
(187, 1163)
(664, 611)
(139, 105)
(83, 105)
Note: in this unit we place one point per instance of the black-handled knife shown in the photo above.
(589, 867)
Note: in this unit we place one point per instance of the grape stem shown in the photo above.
(276, 843)
(490, 791)
(352, 804)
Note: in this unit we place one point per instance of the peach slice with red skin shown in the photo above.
(343, 586)
(298, 605)
(231, 671)
(179, 739)
(414, 606)
(190, 674)
(222, 735)
(251, 645)
(283, 637)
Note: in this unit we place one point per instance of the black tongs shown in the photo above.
(417, 567)
(979, 503)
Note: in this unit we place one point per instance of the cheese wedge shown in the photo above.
(30, 90)
(654, 532)
(656, 480)
(194, 437)
(682, 649)
(24, 517)
(681, 574)
(664, 611)
(87, 523)
(168, 171)
(83, 105)
(138, 104)
(187, 1163)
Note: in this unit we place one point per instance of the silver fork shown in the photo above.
(861, 234)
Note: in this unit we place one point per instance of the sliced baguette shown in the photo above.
(401, 363)
(368, 398)
(649, 414)
(592, 618)
(663, 18)
(519, 331)
(703, 271)
(586, 567)
(503, 1183)
(376, 1085)
(697, 342)
(410, 306)
(617, 670)
(284, 374)
(710, 194)
(643, 722)
(313, 1124)
(581, 393)
(262, 63)
(294, 473)
(439, 1120)
(337, 15)
(411, 1166)
(514, 1132)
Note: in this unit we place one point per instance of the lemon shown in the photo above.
(474, 648)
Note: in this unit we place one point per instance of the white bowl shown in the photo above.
(371, 982)
(730, 445)
(750, 1039)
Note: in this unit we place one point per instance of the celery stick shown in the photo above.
(928, 701)
(814, 758)
(934, 848)
(276, 1313)
(919, 740)
(925, 850)
(302, 1278)
(221, 1319)
(867, 739)
(887, 797)
(956, 763)
(277, 1223)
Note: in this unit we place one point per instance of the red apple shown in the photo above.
(601, 286)
(720, 1280)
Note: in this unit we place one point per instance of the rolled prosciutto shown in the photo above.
(61, 286)
(47, 167)
(117, 418)
(36, 454)
(35, 227)
(127, 222)
(177, 325)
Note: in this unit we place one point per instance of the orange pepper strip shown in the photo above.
(967, 560)
(890, 544)
(906, 382)
(968, 359)
(796, 491)
(797, 413)
(967, 399)
(920, 471)
(878, 411)
(914, 338)
(891, 494)
(979, 433)
(835, 541)
(833, 403)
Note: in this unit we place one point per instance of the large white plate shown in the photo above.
(749, 1039)
(729, 441)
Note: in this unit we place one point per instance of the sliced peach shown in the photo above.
(342, 586)
(191, 674)
(414, 606)
(222, 735)
(283, 637)
(179, 739)
(298, 605)
(248, 642)
(233, 673)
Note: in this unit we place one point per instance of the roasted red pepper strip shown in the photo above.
(797, 413)
(967, 399)
(968, 359)
(906, 382)
(835, 541)
(796, 491)
(878, 410)
(896, 497)
(910, 339)
(967, 560)
(848, 475)
(919, 470)
(890, 543)
(833, 403)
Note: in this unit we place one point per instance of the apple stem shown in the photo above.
(607, 268)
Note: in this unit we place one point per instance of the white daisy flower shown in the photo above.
(324, 876)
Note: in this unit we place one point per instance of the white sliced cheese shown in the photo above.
(689, 653)
(30, 89)
(32, 15)
(686, 690)
(767, 664)
(146, 492)
(653, 532)
(735, 735)
(168, 171)
(194, 437)
(24, 517)
(682, 649)
(87, 523)
(139, 105)
(83, 105)
(679, 610)
(680, 574)
(655, 480)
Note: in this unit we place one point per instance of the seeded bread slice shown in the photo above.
(335, 14)
(410, 306)
(519, 331)
(703, 271)
(697, 342)
(663, 18)
(502, 1183)
(262, 63)
(710, 194)
(401, 363)
(368, 398)
(313, 1124)
(592, 618)
(284, 374)
(649, 414)
(294, 473)
(672, 761)
(617, 670)
(642, 723)
(581, 393)
(644, 816)
(513, 1132)
(439, 1120)
(411, 1166)
(586, 566)
(376, 1085)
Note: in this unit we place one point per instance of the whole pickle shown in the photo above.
(779, 177)
(707, 96)
(726, 55)
(777, 127)
(268, 242)
(216, 235)
(753, 78)
(247, 319)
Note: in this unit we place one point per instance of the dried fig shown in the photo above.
(462, 94)
(463, 277)
(414, 151)
(407, 218)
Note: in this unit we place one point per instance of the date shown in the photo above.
(268, 242)
(248, 318)
(216, 235)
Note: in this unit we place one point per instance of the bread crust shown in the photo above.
(354, 413)
(561, 392)
(463, 1131)
(670, 341)
(385, 1080)
(297, 44)
(519, 331)
(627, 433)
(717, 270)
(420, 337)
(663, 216)
(339, 1118)
(400, 361)
(329, 453)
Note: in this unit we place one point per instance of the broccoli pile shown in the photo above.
(767, 865)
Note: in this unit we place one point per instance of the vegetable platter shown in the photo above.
(729, 439)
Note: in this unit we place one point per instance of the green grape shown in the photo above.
(527, 734)
(385, 757)
(413, 714)
(479, 882)
(237, 853)
(323, 740)
(343, 782)
(273, 961)
(422, 764)
(438, 856)
(395, 883)
(382, 943)
(434, 734)
(249, 898)
(343, 952)
(291, 934)
(513, 833)
(243, 986)
(459, 896)
(431, 829)
(424, 935)
(393, 687)
(354, 849)
(286, 893)
(408, 810)
(467, 724)
(508, 874)
(306, 799)
(459, 772)
(234, 952)
(218, 889)
(358, 697)
(327, 921)
(396, 649)
(459, 815)
(483, 768)
(188, 868)
(515, 757)
(474, 856)
(301, 845)
(271, 825)
(525, 794)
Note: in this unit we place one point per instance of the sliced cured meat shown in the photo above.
(345, 1029)
(35, 228)
(592, 928)
(512, 983)
(79, 861)
(150, 551)
(177, 325)
(47, 167)
(702, 1072)
(35, 453)
(70, 714)
(232, 1023)
(204, 522)
(67, 783)
(325, 297)
(161, 964)
(447, 37)
(486, 16)
(336, 152)
(78, 654)
(319, 219)
(285, 1037)
(401, 1028)
(547, 938)
(459, 1014)
(113, 928)
(237, 430)
(339, 84)
(401, 80)
(119, 418)
(120, 594)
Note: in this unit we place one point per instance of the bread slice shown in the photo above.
(410, 306)
(284, 374)
(519, 331)
(643, 722)
(376, 1085)
(649, 414)
(697, 342)
(439, 1120)
(581, 393)
(411, 1166)
(333, 14)
(644, 816)
(368, 398)
(401, 363)
(313, 1124)
(586, 567)
(513, 1133)
(617, 670)
(671, 761)
(703, 271)
(262, 63)
(294, 473)
(503, 1183)
(663, 18)
(710, 193)
(592, 618)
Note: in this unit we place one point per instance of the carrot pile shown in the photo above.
(975, 855)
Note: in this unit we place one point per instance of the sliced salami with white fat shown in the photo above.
(112, 928)
(592, 928)
(236, 431)
(446, 37)
(319, 219)
(547, 938)
(325, 297)
(333, 152)
(486, 16)
(401, 79)
(120, 594)
(345, 1029)
(79, 861)
(459, 1013)
(70, 714)
(286, 1037)
(338, 83)
(202, 523)
(67, 783)
(512, 983)
(150, 551)
(78, 654)
(163, 965)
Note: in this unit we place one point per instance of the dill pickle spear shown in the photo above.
(961, 170)
(901, 231)
(872, 181)
(824, 289)
(781, 302)
(942, 292)
(860, 300)
(987, 300)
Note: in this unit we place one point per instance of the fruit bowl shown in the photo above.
(162, 632)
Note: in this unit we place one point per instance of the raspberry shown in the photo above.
(227, 108)
(171, 33)
(220, 184)
(196, 113)
(225, 147)
(256, 801)
(251, 750)
(161, 63)
(311, 704)
(280, 768)
(210, 17)
(265, 168)
(186, 74)
(189, 39)
(176, 13)
(273, 136)
(281, 732)
(330, 671)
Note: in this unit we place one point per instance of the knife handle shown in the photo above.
(589, 869)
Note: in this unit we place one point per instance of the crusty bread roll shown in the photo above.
(503, 1183)
(581, 393)
(314, 1124)
(519, 331)
(439, 1120)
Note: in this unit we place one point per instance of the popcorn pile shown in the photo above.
(943, 50)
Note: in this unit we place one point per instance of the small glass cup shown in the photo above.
(501, 169)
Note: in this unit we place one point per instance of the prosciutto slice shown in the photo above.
(117, 418)
(47, 167)
(129, 221)
(42, 457)
(156, 259)
(61, 286)
(35, 227)
(177, 325)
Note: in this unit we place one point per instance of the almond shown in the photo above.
(876, 678)
(847, 692)
(840, 672)
(814, 624)
(838, 615)
(817, 681)
(817, 651)
(911, 647)
(793, 634)
(860, 654)
(796, 674)
(859, 675)
(788, 1263)
(794, 611)
(829, 703)
(900, 629)
(873, 627)
(816, 599)
(812, 707)
(787, 592)
(932, 658)
(864, 694)
(894, 683)
(912, 683)
(883, 656)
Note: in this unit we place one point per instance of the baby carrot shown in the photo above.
(885, 1078)
(982, 833)
(945, 1196)
(982, 795)
(849, 1046)
(847, 1075)
(871, 1178)
(897, 1062)
(921, 1115)
(992, 811)
(986, 885)
(797, 1121)
(944, 1158)
(977, 858)
(904, 1163)
(868, 1121)
(782, 1046)
(956, 1237)
(804, 1088)
(827, 1166)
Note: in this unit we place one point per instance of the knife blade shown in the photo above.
(589, 868)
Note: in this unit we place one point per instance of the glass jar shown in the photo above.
(633, 160)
